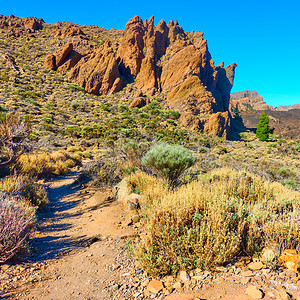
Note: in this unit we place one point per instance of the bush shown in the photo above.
(13, 131)
(170, 161)
(16, 222)
(26, 188)
(43, 164)
(211, 221)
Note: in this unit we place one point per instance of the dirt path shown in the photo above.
(78, 252)
(78, 246)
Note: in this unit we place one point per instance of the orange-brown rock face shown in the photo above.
(18, 26)
(31, 24)
(248, 100)
(160, 59)
(68, 31)
(98, 72)
(63, 59)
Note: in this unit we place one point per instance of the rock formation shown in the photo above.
(159, 59)
(19, 25)
(251, 100)
(98, 71)
(63, 59)
(68, 31)
(248, 100)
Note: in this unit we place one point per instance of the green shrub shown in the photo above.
(170, 161)
(297, 147)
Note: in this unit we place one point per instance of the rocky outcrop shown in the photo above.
(68, 31)
(17, 25)
(32, 24)
(248, 101)
(63, 59)
(159, 59)
(251, 100)
(98, 71)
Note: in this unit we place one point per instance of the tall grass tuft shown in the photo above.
(209, 222)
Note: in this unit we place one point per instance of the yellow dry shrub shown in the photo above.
(25, 187)
(45, 164)
(209, 222)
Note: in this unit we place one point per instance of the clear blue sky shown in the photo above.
(261, 36)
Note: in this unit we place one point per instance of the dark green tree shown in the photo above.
(263, 129)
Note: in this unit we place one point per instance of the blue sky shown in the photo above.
(262, 37)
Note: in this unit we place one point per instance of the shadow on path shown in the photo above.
(53, 235)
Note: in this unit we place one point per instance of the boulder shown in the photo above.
(63, 59)
(61, 54)
(254, 292)
(155, 286)
(290, 259)
(70, 61)
(50, 62)
(32, 24)
(139, 102)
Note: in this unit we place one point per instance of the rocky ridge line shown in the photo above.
(251, 100)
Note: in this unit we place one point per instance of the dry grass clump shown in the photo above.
(209, 222)
(26, 188)
(45, 164)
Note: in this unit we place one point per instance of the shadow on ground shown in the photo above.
(52, 221)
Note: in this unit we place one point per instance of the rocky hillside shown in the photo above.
(286, 124)
(248, 101)
(288, 107)
(251, 100)
(162, 59)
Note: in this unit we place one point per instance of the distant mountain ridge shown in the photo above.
(251, 100)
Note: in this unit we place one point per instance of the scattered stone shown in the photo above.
(135, 218)
(245, 280)
(168, 280)
(180, 297)
(255, 266)
(184, 276)
(248, 273)
(155, 286)
(290, 259)
(283, 295)
(254, 292)
(178, 286)
(221, 269)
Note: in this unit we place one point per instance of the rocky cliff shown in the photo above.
(248, 101)
(157, 59)
(251, 100)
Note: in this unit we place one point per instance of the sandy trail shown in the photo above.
(80, 239)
